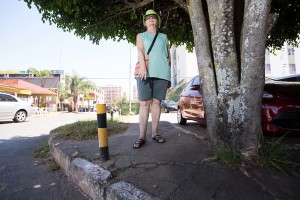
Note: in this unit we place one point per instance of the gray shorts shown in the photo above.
(152, 88)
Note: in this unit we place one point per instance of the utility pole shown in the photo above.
(130, 79)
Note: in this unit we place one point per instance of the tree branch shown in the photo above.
(182, 4)
(139, 4)
(272, 19)
(127, 8)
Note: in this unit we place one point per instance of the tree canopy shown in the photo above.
(229, 36)
(122, 19)
(40, 73)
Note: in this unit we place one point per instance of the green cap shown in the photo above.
(151, 12)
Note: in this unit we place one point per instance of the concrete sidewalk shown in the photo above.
(181, 168)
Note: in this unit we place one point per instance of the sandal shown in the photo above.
(138, 143)
(159, 139)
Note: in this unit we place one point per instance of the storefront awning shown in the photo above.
(20, 86)
(11, 89)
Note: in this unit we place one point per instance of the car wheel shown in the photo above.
(20, 116)
(166, 110)
(180, 119)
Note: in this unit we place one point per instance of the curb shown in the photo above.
(95, 181)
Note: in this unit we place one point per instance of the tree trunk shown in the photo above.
(230, 40)
(75, 100)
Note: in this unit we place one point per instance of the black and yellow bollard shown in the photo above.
(102, 132)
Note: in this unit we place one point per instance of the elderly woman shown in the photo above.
(153, 80)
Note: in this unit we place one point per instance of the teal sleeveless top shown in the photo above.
(158, 66)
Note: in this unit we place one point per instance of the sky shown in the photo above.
(25, 42)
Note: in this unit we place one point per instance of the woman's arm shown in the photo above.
(168, 49)
(141, 57)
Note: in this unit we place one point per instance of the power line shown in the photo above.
(106, 78)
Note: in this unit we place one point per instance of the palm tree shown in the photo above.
(78, 85)
(63, 92)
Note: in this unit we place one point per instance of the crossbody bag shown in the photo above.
(138, 64)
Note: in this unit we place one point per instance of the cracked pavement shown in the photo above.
(181, 168)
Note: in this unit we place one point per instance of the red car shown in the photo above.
(190, 106)
(280, 106)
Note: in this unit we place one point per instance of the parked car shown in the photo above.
(14, 108)
(110, 109)
(168, 105)
(280, 105)
(290, 78)
(190, 106)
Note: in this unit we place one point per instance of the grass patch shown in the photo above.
(229, 157)
(43, 154)
(88, 130)
(274, 155)
(43, 151)
(80, 130)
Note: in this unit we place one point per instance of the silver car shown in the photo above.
(14, 108)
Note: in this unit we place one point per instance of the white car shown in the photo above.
(14, 108)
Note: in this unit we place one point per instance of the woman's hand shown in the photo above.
(143, 73)
(144, 69)
(140, 47)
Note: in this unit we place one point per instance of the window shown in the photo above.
(292, 68)
(290, 51)
(7, 98)
(2, 97)
(11, 99)
(267, 68)
(196, 81)
(187, 87)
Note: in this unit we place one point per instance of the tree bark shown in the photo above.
(230, 41)
(205, 66)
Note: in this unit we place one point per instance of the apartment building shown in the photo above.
(283, 62)
(112, 93)
(183, 66)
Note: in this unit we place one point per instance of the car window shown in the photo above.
(196, 81)
(188, 86)
(7, 98)
(2, 97)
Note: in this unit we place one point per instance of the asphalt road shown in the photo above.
(25, 177)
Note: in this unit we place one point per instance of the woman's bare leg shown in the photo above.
(155, 115)
(143, 118)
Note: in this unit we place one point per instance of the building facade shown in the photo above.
(183, 66)
(52, 83)
(283, 62)
(112, 93)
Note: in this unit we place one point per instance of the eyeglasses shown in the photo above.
(151, 17)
